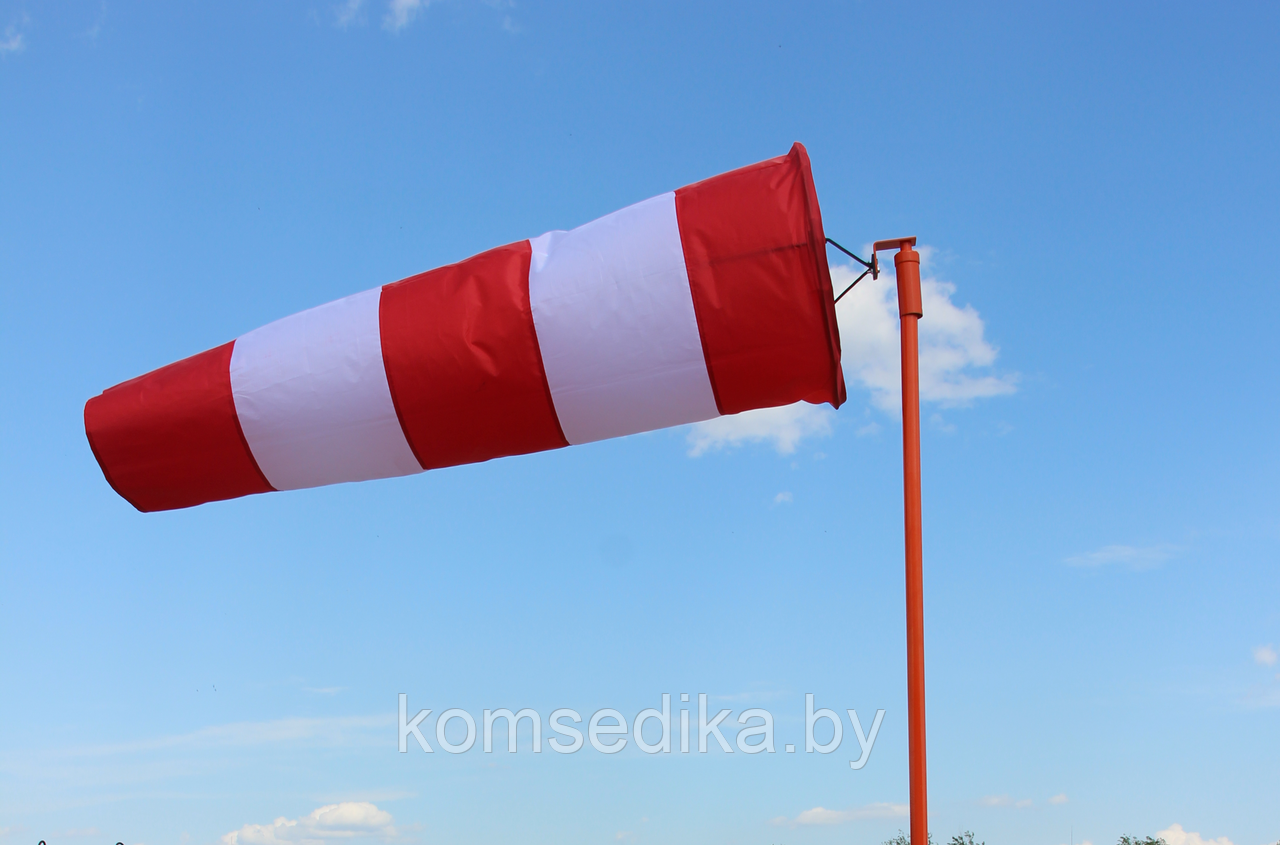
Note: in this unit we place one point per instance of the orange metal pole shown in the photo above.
(907, 264)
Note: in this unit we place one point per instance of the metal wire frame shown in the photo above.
(873, 267)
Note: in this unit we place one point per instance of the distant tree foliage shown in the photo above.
(903, 839)
(1146, 840)
(965, 838)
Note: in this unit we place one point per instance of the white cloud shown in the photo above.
(784, 427)
(1175, 835)
(400, 13)
(14, 39)
(823, 816)
(1137, 557)
(348, 820)
(785, 496)
(1060, 798)
(954, 357)
(348, 13)
(1265, 655)
(953, 349)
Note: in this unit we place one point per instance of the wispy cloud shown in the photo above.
(1265, 655)
(1262, 699)
(95, 29)
(756, 696)
(400, 13)
(937, 422)
(1175, 835)
(1004, 801)
(1060, 798)
(819, 816)
(783, 497)
(334, 821)
(341, 730)
(14, 39)
(348, 13)
(372, 796)
(955, 359)
(1135, 557)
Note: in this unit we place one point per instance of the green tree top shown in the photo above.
(965, 838)
(903, 839)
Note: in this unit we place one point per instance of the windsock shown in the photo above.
(713, 299)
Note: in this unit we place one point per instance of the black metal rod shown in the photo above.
(855, 281)
(866, 264)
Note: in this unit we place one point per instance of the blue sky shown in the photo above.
(1096, 187)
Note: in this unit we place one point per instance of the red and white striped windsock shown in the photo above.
(711, 300)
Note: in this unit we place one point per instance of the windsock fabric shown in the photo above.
(710, 300)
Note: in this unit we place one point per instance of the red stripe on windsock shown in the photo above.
(463, 362)
(171, 438)
(756, 258)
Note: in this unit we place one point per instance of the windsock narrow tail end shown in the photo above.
(171, 438)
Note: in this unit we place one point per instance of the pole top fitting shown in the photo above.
(907, 262)
(893, 243)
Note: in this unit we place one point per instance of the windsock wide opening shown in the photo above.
(826, 290)
(713, 299)
(757, 263)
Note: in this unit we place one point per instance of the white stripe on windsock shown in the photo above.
(312, 397)
(616, 327)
